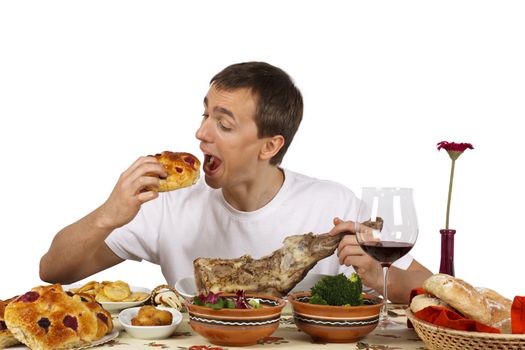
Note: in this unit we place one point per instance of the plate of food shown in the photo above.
(113, 296)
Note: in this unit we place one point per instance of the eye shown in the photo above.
(204, 116)
(222, 126)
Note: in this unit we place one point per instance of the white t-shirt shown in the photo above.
(192, 222)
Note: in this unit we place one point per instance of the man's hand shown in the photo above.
(134, 187)
(351, 254)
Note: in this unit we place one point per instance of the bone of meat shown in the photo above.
(275, 274)
(377, 224)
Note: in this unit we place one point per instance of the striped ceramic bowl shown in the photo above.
(334, 324)
(236, 327)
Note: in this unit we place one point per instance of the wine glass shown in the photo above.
(388, 230)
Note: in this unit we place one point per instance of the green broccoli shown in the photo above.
(338, 291)
(316, 299)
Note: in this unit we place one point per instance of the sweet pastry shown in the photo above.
(183, 170)
(6, 337)
(461, 296)
(151, 316)
(48, 318)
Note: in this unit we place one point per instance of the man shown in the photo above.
(246, 205)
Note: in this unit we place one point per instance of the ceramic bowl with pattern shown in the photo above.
(237, 327)
(335, 324)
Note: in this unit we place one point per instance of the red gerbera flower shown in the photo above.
(454, 150)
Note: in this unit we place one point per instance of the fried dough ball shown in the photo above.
(151, 316)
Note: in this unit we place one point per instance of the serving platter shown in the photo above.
(108, 337)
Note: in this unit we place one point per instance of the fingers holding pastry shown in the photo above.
(140, 163)
(137, 178)
(182, 170)
(143, 179)
(146, 175)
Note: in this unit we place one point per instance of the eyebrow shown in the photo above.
(220, 109)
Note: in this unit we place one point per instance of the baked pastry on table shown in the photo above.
(48, 318)
(6, 337)
(183, 170)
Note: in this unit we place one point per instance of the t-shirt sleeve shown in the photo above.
(138, 239)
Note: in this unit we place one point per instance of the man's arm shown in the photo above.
(401, 282)
(79, 250)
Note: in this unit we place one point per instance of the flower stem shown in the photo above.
(450, 191)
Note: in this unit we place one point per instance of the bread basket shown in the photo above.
(440, 338)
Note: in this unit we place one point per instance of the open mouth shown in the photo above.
(211, 164)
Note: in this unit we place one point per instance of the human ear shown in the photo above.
(270, 147)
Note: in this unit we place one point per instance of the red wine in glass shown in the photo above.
(386, 252)
(386, 230)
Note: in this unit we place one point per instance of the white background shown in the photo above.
(86, 87)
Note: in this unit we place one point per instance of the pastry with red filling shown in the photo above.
(183, 170)
(48, 318)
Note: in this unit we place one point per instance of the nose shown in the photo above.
(203, 133)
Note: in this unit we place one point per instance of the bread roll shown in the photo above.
(500, 309)
(461, 296)
(421, 301)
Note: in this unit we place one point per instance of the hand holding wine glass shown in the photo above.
(389, 231)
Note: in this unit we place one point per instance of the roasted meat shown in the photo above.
(275, 274)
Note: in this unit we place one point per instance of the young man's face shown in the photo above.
(228, 136)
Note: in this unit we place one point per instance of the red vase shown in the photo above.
(447, 252)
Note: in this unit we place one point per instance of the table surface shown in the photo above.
(287, 336)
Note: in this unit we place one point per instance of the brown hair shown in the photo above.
(279, 108)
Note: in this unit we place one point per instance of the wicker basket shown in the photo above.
(440, 338)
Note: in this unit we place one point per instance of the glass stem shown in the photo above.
(384, 309)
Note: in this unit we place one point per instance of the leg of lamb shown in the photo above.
(275, 274)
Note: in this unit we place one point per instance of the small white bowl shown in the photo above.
(148, 332)
(186, 287)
